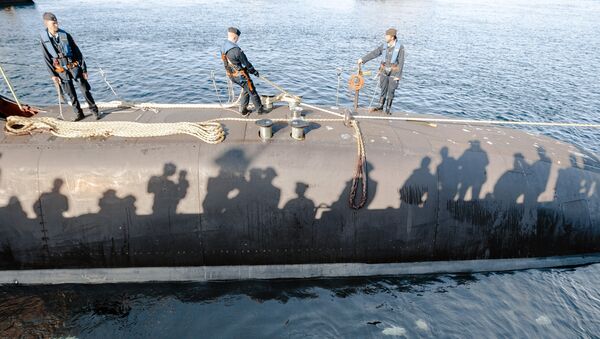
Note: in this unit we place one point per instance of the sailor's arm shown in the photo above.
(77, 55)
(372, 55)
(400, 61)
(247, 64)
(49, 63)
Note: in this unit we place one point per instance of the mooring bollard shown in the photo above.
(298, 127)
(265, 130)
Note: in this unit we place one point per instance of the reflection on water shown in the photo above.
(539, 303)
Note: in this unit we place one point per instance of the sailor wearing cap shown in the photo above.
(390, 70)
(238, 69)
(65, 64)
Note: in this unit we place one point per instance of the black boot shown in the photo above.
(380, 107)
(97, 113)
(388, 106)
(79, 117)
(244, 111)
(261, 110)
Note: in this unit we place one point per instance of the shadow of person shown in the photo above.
(223, 191)
(115, 208)
(512, 184)
(167, 192)
(261, 200)
(509, 194)
(50, 206)
(299, 217)
(572, 191)
(540, 173)
(260, 189)
(340, 225)
(418, 210)
(420, 186)
(447, 174)
(16, 227)
(472, 170)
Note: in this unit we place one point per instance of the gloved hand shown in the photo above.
(256, 74)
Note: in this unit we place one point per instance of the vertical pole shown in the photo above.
(10, 88)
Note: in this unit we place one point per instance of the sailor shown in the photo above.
(66, 64)
(390, 70)
(238, 69)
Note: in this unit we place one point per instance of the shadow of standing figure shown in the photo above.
(572, 192)
(447, 173)
(223, 191)
(261, 200)
(50, 206)
(472, 170)
(299, 217)
(114, 208)
(418, 198)
(167, 193)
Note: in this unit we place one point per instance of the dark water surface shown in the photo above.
(521, 60)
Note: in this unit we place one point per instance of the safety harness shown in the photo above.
(230, 68)
(394, 66)
(63, 58)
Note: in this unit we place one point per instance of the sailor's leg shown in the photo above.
(68, 87)
(85, 88)
(384, 81)
(391, 88)
(245, 94)
(258, 107)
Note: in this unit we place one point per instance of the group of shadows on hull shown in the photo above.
(243, 225)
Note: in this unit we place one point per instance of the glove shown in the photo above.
(256, 74)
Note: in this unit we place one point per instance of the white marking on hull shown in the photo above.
(260, 272)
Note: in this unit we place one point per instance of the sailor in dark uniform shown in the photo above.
(390, 70)
(66, 64)
(238, 69)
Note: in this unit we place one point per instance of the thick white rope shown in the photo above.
(209, 132)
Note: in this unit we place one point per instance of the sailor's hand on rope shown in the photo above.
(56, 80)
(85, 75)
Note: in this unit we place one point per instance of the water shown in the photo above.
(521, 60)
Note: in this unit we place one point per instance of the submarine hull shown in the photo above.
(435, 194)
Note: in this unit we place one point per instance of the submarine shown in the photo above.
(304, 191)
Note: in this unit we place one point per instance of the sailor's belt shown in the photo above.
(237, 73)
(389, 69)
(70, 65)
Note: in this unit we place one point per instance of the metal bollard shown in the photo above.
(298, 127)
(265, 131)
(297, 112)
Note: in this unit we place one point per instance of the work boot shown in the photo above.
(261, 110)
(96, 112)
(380, 107)
(79, 117)
(244, 111)
(388, 107)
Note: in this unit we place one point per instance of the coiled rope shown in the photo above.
(208, 132)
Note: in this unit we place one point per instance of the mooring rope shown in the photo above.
(209, 132)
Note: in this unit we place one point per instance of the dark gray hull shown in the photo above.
(436, 194)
